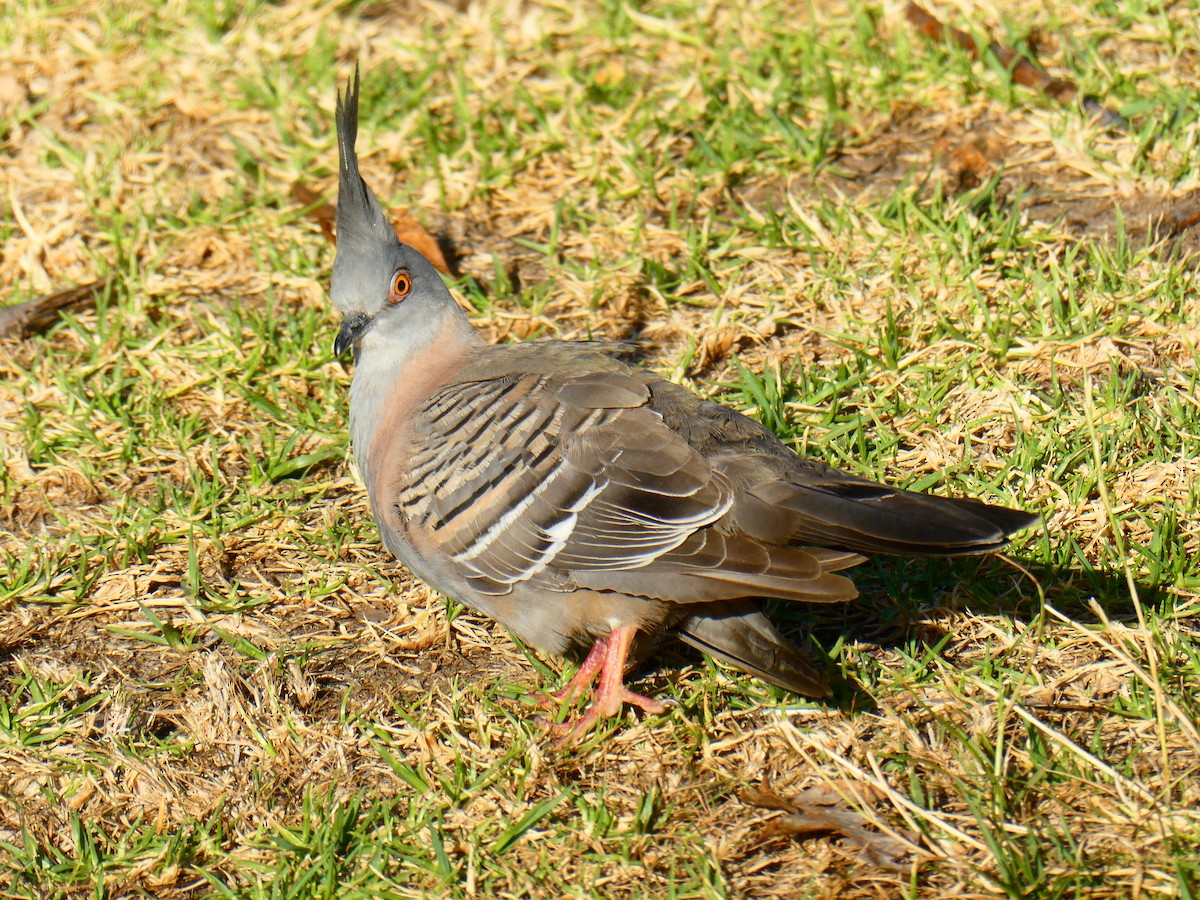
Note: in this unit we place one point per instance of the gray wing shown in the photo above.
(577, 481)
(566, 468)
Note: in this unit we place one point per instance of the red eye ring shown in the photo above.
(401, 285)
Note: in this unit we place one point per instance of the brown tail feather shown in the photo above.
(872, 518)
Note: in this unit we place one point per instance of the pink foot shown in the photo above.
(570, 732)
(580, 681)
(608, 655)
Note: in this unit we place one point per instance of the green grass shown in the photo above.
(215, 682)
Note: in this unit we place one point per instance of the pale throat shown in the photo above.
(394, 374)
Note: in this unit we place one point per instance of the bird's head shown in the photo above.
(384, 288)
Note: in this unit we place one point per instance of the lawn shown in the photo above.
(214, 681)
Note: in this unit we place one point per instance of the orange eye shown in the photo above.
(401, 285)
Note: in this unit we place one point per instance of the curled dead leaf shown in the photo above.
(32, 316)
(822, 810)
(319, 211)
(413, 233)
(716, 345)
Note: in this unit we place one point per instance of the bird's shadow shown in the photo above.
(899, 599)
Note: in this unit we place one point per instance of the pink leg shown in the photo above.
(580, 681)
(612, 693)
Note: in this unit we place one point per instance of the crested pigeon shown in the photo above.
(580, 501)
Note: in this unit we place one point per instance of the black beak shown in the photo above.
(352, 328)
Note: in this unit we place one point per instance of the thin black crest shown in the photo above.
(359, 216)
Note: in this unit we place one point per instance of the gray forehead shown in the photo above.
(361, 274)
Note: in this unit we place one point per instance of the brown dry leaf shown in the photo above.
(320, 212)
(1023, 70)
(28, 318)
(822, 811)
(716, 345)
(966, 159)
(413, 233)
